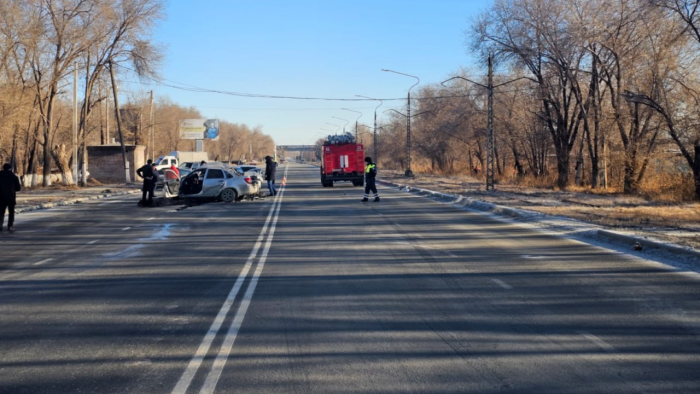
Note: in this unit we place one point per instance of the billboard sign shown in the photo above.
(199, 129)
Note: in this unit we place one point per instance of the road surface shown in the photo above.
(316, 292)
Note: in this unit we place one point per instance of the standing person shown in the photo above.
(146, 172)
(175, 170)
(156, 174)
(270, 170)
(370, 176)
(9, 186)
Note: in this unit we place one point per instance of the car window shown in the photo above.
(215, 174)
(197, 173)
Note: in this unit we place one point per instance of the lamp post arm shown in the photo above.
(404, 115)
(513, 80)
(468, 80)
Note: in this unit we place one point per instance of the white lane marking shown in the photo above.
(502, 284)
(125, 228)
(599, 342)
(43, 261)
(186, 379)
(150, 218)
(225, 350)
(93, 242)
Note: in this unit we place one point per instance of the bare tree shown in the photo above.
(532, 34)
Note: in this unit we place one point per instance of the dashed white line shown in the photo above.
(502, 284)
(126, 228)
(599, 342)
(150, 218)
(43, 261)
(93, 242)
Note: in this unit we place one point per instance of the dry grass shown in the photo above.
(662, 217)
(674, 188)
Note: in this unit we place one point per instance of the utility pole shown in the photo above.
(374, 141)
(127, 176)
(490, 135)
(75, 123)
(107, 135)
(409, 172)
(490, 143)
(153, 137)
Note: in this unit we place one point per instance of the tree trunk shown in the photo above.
(63, 163)
(696, 170)
(562, 170)
(47, 161)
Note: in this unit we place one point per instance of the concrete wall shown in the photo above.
(106, 163)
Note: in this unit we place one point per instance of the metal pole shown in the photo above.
(490, 143)
(153, 138)
(374, 143)
(75, 122)
(408, 173)
(127, 176)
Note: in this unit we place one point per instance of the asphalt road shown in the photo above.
(316, 292)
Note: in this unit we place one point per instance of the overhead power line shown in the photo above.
(191, 88)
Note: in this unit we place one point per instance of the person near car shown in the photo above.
(147, 173)
(9, 186)
(270, 170)
(175, 169)
(370, 178)
(155, 178)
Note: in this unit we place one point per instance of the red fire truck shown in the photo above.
(342, 162)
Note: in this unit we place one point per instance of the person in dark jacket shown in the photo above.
(149, 181)
(370, 176)
(270, 170)
(9, 186)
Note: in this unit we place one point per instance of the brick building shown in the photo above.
(106, 163)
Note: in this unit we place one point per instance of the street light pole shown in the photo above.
(346, 122)
(374, 142)
(338, 127)
(408, 173)
(358, 118)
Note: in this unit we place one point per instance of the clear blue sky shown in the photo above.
(309, 48)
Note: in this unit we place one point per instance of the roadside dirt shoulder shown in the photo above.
(673, 223)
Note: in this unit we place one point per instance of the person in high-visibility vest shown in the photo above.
(370, 176)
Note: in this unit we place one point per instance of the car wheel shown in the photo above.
(229, 195)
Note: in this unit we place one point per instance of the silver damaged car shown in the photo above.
(217, 181)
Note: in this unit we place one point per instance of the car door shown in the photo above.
(191, 185)
(171, 186)
(213, 182)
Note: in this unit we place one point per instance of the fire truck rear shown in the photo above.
(342, 162)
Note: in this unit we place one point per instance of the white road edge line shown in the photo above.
(93, 242)
(186, 379)
(43, 261)
(599, 342)
(217, 368)
(502, 284)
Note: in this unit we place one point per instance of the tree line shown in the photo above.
(604, 93)
(43, 43)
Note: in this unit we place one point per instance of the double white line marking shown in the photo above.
(213, 377)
